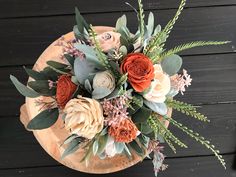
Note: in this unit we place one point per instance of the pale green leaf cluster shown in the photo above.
(187, 109)
(198, 138)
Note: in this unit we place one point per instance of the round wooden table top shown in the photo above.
(52, 138)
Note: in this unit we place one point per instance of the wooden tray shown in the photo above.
(51, 139)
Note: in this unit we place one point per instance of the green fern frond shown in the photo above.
(141, 19)
(172, 147)
(187, 109)
(198, 138)
(160, 38)
(159, 128)
(189, 46)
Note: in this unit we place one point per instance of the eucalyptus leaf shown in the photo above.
(119, 147)
(70, 59)
(56, 64)
(72, 147)
(141, 115)
(90, 54)
(123, 50)
(157, 30)
(145, 128)
(102, 141)
(122, 21)
(35, 74)
(42, 87)
(159, 108)
(134, 145)
(50, 73)
(150, 25)
(87, 86)
(24, 90)
(81, 23)
(95, 147)
(100, 92)
(70, 138)
(83, 69)
(44, 119)
(171, 64)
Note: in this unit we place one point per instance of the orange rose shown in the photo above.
(125, 131)
(65, 89)
(140, 71)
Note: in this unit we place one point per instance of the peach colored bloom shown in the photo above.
(160, 87)
(125, 131)
(109, 40)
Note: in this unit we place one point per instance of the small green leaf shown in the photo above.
(24, 90)
(134, 145)
(121, 22)
(171, 64)
(141, 115)
(95, 147)
(119, 147)
(44, 119)
(150, 25)
(87, 86)
(70, 138)
(42, 87)
(50, 73)
(100, 92)
(145, 128)
(81, 23)
(122, 79)
(159, 108)
(72, 147)
(83, 69)
(90, 54)
(35, 74)
(58, 67)
(70, 59)
(102, 141)
(123, 50)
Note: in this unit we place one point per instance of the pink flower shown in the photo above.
(160, 86)
(179, 82)
(109, 40)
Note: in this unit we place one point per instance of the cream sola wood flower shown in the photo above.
(105, 80)
(84, 117)
(160, 86)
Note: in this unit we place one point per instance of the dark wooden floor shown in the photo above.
(27, 27)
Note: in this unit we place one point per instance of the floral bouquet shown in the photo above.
(115, 91)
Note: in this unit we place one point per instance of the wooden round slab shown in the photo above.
(51, 139)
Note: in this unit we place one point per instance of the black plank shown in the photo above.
(20, 149)
(16, 8)
(24, 39)
(181, 167)
(212, 75)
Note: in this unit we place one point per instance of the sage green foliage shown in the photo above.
(42, 87)
(24, 90)
(198, 138)
(35, 74)
(172, 64)
(74, 143)
(159, 128)
(190, 45)
(187, 109)
(160, 38)
(44, 119)
(58, 67)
